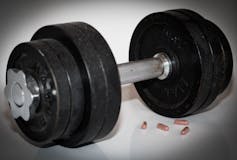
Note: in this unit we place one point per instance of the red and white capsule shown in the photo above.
(185, 131)
(144, 125)
(162, 127)
(181, 122)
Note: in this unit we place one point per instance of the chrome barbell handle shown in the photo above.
(157, 67)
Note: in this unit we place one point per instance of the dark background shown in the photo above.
(213, 133)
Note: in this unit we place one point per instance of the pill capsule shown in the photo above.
(162, 127)
(181, 122)
(185, 131)
(144, 125)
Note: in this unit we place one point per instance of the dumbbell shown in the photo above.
(64, 86)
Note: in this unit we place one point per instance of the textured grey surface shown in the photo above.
(213, 133)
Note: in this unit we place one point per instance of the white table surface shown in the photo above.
(213, 133)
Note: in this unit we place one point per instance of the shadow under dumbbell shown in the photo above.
(61, 153)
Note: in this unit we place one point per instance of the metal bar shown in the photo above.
(140, 70)
(135, 71)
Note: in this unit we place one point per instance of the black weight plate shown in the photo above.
(222, 66)
(185, 90)
(226, 52)
(214, 48)
(207, 92)
(100, 78)
(76, 93)
(226, 55)
(210, 49)
(49, 119)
